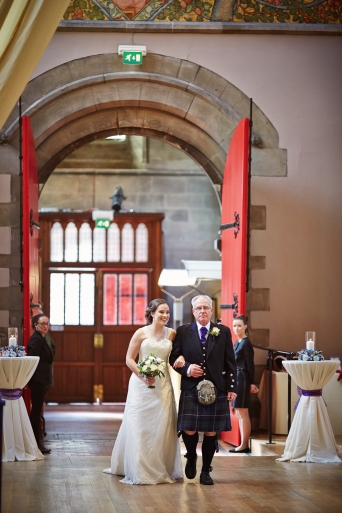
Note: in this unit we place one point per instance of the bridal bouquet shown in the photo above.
(151, 366)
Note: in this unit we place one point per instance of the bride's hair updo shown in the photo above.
(152, 307)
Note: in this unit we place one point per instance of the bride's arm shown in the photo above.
(180, 362)
(132, 352)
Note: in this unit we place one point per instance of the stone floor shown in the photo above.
(81, 437)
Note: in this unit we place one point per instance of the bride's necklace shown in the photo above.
(153, 337)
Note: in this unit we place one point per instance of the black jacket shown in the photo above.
(244, 356)
(37, 346)
(220, 365)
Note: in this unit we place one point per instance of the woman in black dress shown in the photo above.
(37, 346)
(244, 357)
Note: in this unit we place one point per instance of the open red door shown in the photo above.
(30, 224)
(234, 230)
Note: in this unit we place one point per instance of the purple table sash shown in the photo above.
(11, 394)
(307, 393)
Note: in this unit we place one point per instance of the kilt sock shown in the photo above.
(190, 442)
(208, 451)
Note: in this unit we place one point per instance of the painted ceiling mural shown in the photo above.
(258, 11)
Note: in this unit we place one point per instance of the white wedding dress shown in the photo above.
(147, 449)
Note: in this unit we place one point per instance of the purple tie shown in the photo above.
(204, 332)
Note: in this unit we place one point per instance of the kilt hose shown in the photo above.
(194, 416)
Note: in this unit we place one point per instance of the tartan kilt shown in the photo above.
(194, 416)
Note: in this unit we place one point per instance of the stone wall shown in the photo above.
(10, 292)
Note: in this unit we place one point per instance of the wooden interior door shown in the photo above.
(30, 264)
(110, 298)
(234, 239)
(30, 279)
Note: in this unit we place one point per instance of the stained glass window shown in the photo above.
(113, 243)
(141, 243)
(120, 301)
(140, 298)
(127, 237)
(99, 249)
(85, 243)
(110, 299)
(125, 299)
(56, 243)
(71, 244)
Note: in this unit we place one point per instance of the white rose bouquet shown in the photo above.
(151, 366)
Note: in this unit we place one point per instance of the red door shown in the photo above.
(30, 277)
(234, 239)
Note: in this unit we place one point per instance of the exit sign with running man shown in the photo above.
(132, 57)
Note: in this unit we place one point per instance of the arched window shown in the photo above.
(127, 237)
(56, 243)
(85, 243)
(71, 245)
(141, 243)
(99, 246)
(113, 243)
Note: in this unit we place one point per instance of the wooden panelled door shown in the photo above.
(234, 239)
(30, 268)
(96, 284)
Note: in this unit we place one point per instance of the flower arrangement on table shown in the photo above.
(13, 351)
(310, 355)
(151, 366)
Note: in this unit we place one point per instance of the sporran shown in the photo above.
(206, 392)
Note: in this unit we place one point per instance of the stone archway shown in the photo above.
(170, 99)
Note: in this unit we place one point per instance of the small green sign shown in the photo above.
(132, 57)
(102, 223)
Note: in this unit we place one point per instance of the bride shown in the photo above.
(147, 449)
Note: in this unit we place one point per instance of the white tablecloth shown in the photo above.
(311, 437)
(279, 401)
(18, 441)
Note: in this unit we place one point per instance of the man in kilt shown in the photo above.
(208, 352)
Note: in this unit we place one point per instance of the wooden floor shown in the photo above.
(70, 479)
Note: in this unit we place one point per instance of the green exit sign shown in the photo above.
(132, 57)
(102, 223)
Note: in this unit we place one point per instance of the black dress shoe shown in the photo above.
(205, 479)
(246, 451)
(190, 467)
(43, 450)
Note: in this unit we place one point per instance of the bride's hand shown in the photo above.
(149, 380)
(180, 362)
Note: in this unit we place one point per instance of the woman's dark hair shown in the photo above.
(35, 319)
(244, 320)
(152, 307)
(241, 318)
